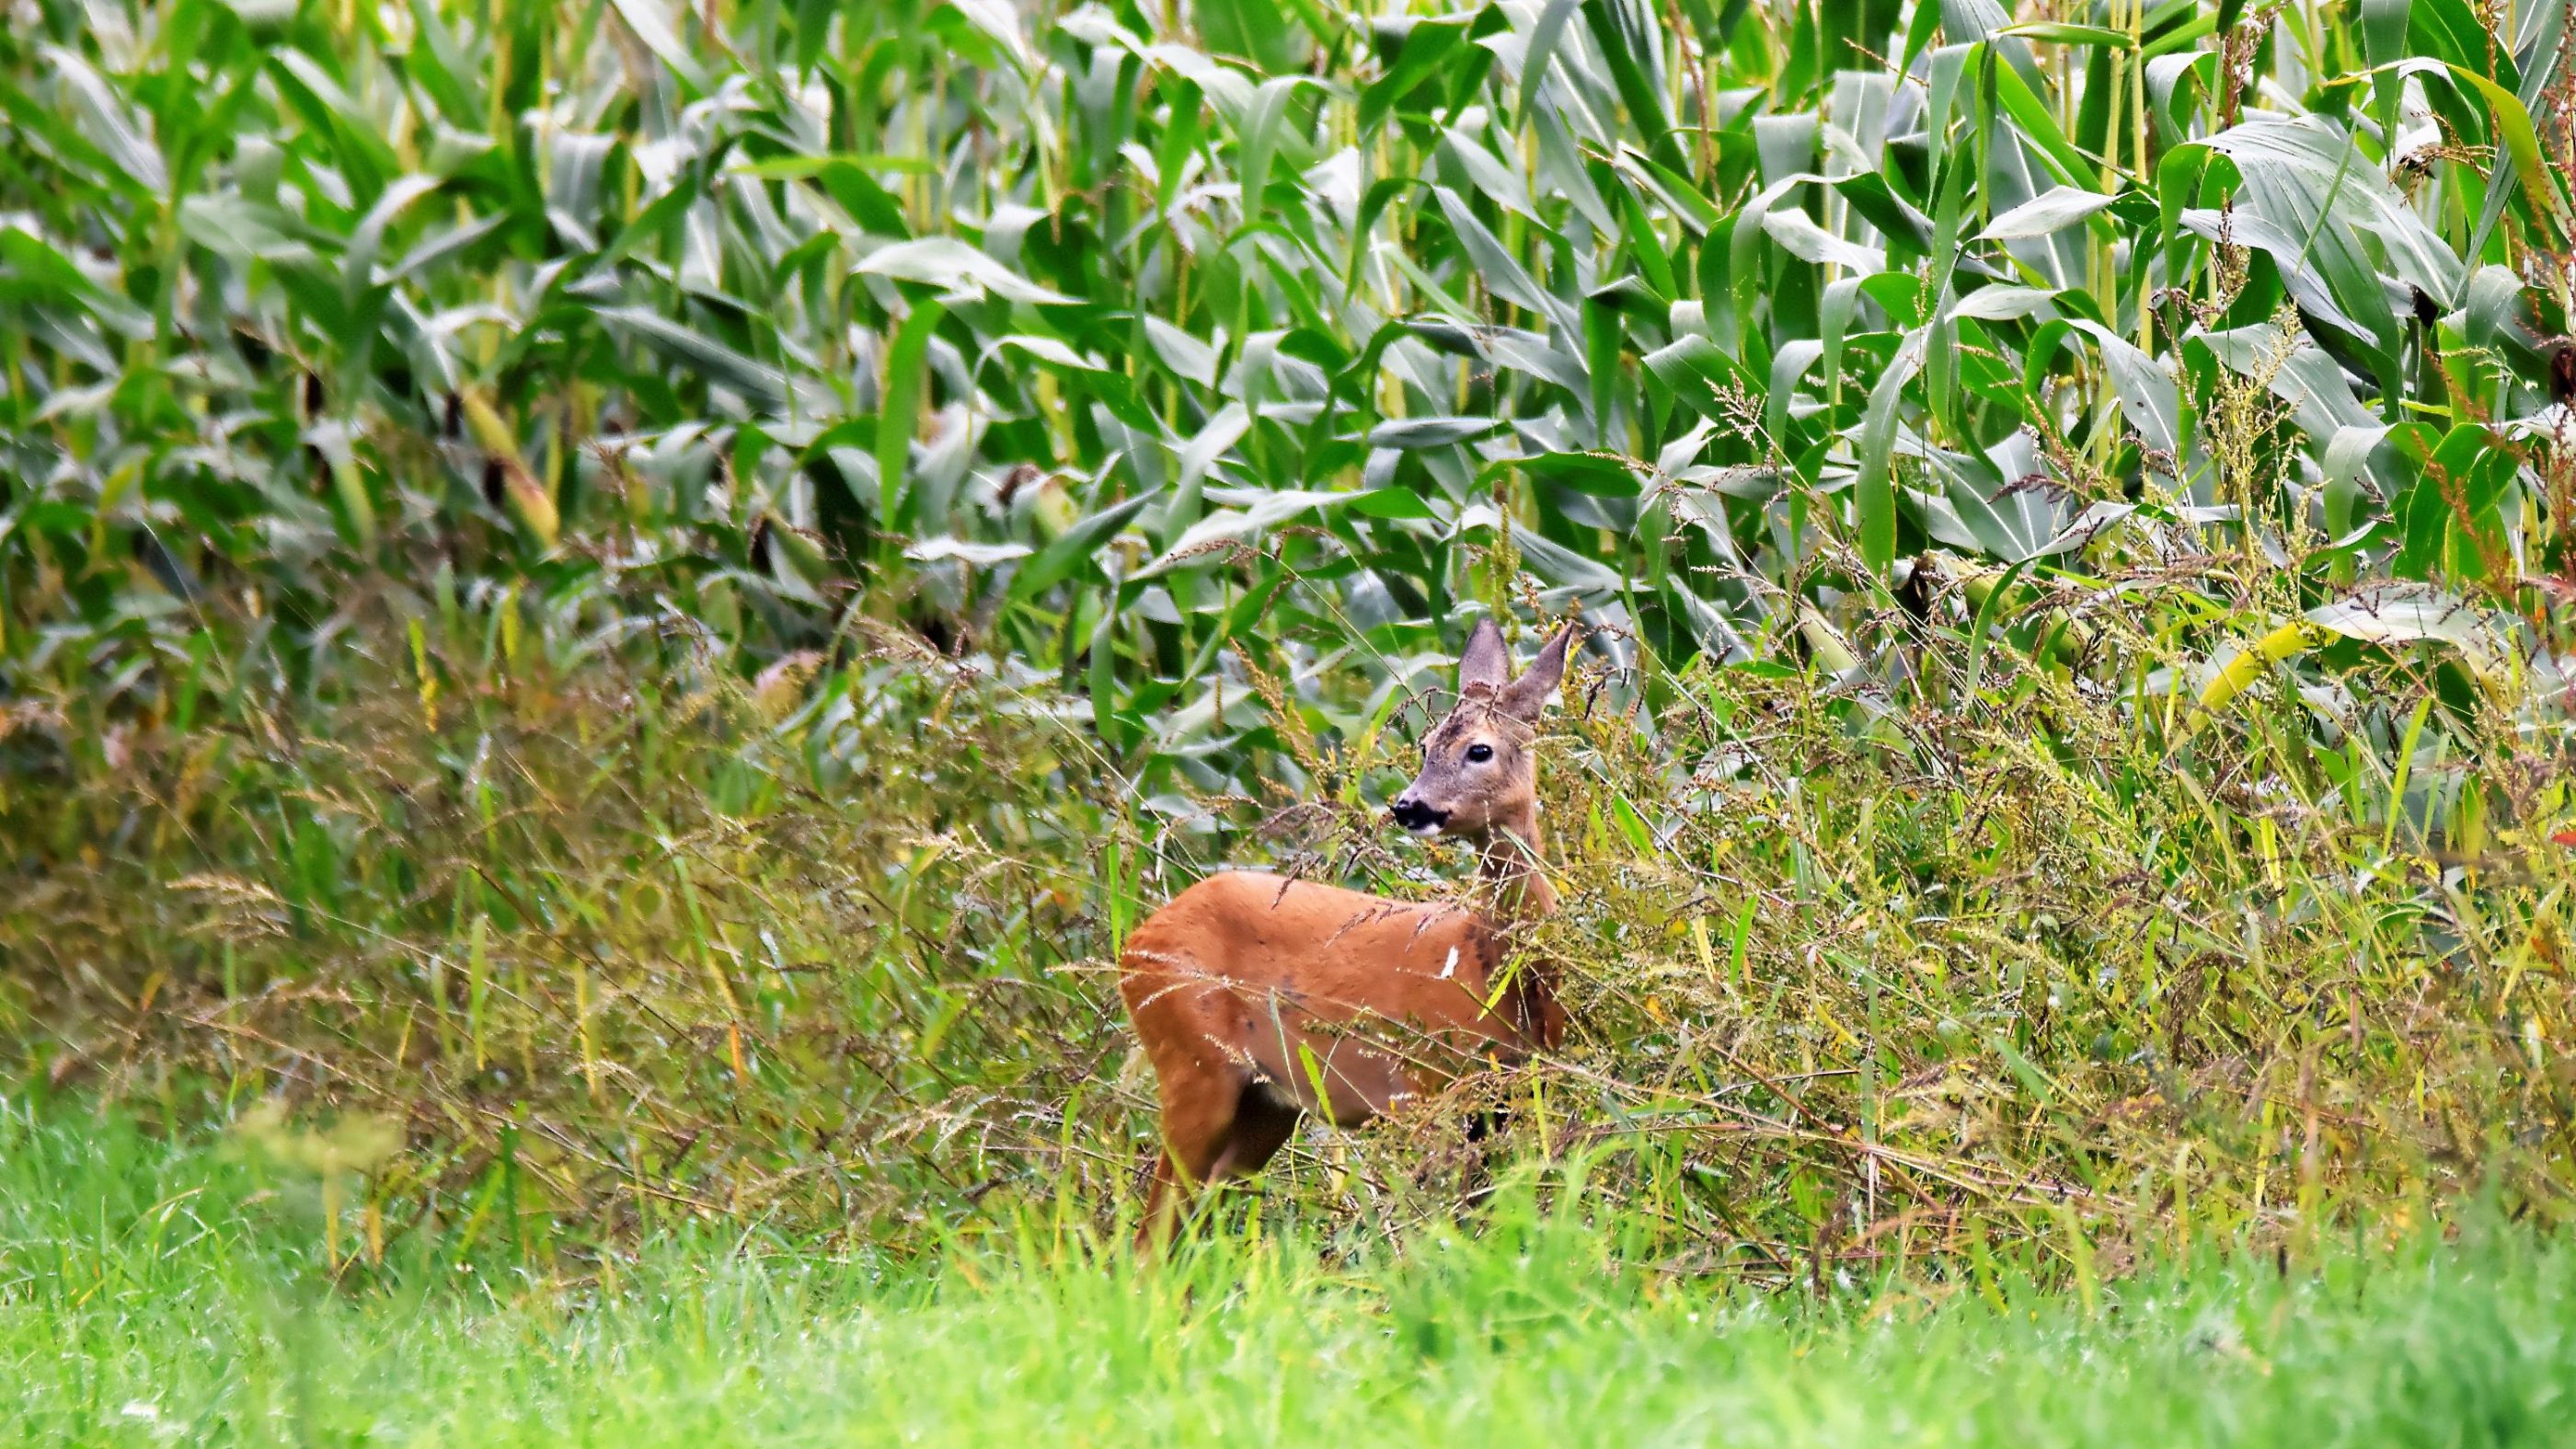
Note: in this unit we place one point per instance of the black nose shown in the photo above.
(1412, 814)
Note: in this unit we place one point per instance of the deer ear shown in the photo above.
(1486, 665)
(1524, 697)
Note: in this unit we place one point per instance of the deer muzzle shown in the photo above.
(1417, 817)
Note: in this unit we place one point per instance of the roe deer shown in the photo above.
(1248, 987)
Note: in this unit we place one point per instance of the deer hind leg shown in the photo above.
(1199, 1109)
(1203, 1147)
(1264, 1120)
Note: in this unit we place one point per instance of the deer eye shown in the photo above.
(1479, 754)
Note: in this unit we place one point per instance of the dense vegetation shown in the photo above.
(615, 606)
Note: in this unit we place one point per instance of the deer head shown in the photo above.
(1479, 778)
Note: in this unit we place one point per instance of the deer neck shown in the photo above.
(1513, 870)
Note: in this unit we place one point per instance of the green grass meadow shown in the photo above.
(154, 1295)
